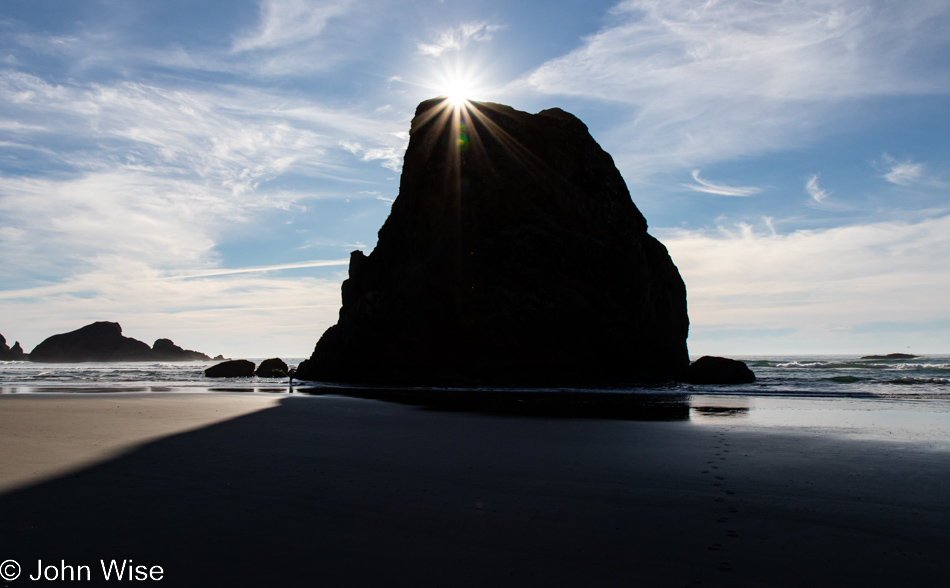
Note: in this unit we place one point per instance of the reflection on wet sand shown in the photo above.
(530, 403)
(718, 407)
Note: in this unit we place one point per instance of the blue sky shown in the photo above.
(201, 171)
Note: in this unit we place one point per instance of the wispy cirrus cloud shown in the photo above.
(457, 38)
(391, 157)
(710, 81)
(284, 22)
(234, 137)
(708, 187)
(901, 173)
(811, 186)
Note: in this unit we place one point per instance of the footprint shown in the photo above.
(704, 472)
(733, 509)
(725, 566)
(719, 478)
(729, 492)
(719, 499)
(715, 547)
(722, 520)
(732, 534)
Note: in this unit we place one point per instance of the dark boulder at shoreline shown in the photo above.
(272, 368)
(8, 353)
(891, 356)
(235, 368)
(710, 369)
(513, 254)
(103, 341)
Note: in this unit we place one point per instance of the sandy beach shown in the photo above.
(278, 490)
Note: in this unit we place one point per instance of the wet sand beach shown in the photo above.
(255, 489)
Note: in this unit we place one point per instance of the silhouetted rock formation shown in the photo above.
(11, 354)
(709, 369)
(513, 254)
(272, 368)
(165, 350)
(103, 341)
(236, 368)
(891, 356)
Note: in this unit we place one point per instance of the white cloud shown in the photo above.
(262, 269)
(811, 186)
(902, 173)
(456, 39)
(708, 187)
(284, 22)
(233, 315)
(710, 81)
(233, 137)
(816, 281)
(391, 157)
(133, 184)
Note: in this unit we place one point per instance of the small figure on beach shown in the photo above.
(290, 378)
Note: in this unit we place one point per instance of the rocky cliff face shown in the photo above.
(513, 254)
(103, 341)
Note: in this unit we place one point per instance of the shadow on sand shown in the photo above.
(333, 491)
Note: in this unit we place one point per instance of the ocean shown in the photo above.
(838, 376)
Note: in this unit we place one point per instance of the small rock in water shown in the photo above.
(710, 369)
(238, 368)
(272, 368)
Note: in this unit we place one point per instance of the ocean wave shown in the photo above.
(820, 365)
(845, 379)
(911, 381)
(923, 366)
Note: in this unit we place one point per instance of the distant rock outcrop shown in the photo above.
(103, 341)
(165, 350)
(513, 254)
(709, 369)
(272, 368)
(235, 368)
(11, 354)
(891, 356)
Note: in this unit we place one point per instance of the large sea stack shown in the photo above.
(512, 255)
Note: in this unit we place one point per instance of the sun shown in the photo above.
(459, 82)
(457, 93)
